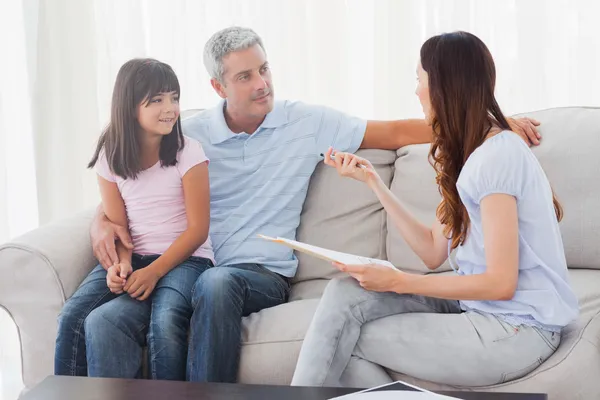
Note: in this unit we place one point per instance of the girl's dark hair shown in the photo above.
(138, 81)
(462, 78)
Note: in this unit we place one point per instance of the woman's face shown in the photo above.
(423, 93)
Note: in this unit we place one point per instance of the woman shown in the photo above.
(501, 314)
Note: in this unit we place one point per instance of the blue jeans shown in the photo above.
(69, 353)
(221, 297)
(87, 342)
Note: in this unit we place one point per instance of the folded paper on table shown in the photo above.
(396, 390)
(393, 395)
(326, 254)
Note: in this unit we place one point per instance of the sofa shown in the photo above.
(42, 268)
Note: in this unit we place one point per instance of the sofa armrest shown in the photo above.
(38, 271)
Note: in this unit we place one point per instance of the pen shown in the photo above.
(333, 158)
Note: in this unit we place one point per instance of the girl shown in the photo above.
(501, 314)
(154, 181)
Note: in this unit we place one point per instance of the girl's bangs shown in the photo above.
(160, 79)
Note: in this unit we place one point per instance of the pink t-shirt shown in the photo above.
(155, 204)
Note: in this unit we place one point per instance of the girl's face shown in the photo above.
(423, 93)
(160, 114)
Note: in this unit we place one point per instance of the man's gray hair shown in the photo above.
(226, 41)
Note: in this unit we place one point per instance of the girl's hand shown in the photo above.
(374, 277)
(349, 165)
(116, 276)
(141, 283)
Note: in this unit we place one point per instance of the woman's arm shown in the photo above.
(196, 193)
(114, 209)
(498, 282)
(429, 244)
(501, 243)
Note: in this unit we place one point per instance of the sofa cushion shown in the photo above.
(568, 134)
(414, 185)
(311, 289)
(271, 342)
(343, 215)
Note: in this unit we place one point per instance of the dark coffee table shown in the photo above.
(76, 388)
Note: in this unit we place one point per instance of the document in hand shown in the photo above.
(327, 255)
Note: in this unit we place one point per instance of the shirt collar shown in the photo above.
(220, 131)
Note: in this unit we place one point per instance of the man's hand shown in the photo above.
(116, 277)
(103, 234)
(527, 129)
(141, 283)
(374, 277)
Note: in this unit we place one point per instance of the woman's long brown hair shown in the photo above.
(462, 79)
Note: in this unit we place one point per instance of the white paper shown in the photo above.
(420, 394)
(393, 395)
(342, 258)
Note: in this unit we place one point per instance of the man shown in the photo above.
(262, 154)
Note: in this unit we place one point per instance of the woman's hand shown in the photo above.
(353, 166)
(374, 277)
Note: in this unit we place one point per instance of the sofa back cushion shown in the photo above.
(414, 184)
(570, 140)
(569, 156)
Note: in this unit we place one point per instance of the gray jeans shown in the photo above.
(355, 333)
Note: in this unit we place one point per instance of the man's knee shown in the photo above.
(214, 284)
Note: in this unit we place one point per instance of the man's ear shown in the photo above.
(218, 86)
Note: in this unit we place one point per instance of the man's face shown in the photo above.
(247, 82)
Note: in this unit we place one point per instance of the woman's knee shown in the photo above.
(341, 290)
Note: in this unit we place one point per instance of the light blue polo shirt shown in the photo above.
(258, 181)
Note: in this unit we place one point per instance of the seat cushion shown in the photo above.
(271, 341)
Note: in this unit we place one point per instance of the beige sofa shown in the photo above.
(39, 270)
